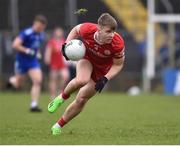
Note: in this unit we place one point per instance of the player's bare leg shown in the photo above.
(84, 94)
(16, 80)
(36, 77)
(83, 76)
(52, 82)
(64, 77)
(83, 71)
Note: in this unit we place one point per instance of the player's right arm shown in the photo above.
(17, 45)
(74, 33)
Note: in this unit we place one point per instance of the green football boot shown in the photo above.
(53, 105)
(56, 131)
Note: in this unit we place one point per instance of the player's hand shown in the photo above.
(100, 84)
(63, 51)
(39, 56)
(30, 52)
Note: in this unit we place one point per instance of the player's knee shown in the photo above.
(81, 101)
(15, 82)
(37, 82)
(66, 77)
(81, 82)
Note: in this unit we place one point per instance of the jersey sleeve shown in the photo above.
(86, 29)
(119, 48)
(25, 34)
(120, 53)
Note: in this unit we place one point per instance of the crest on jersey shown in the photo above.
(107, 52)
(96, 47)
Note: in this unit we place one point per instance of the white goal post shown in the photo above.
(149, 71)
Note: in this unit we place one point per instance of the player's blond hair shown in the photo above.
(107, 20)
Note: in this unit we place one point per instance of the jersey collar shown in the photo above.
(95, 38)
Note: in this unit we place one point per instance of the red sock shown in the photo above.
(65, 96)
(61, 122)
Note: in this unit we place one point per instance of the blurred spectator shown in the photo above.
(55, 60)
(177, 53)
(164, 55)
(177, 65)
(177, 84)
(142, 46)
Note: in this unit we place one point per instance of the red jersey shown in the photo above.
(101, 56)
(57, 60)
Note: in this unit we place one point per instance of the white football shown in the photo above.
(75, 50)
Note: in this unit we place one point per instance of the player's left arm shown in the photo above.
(118, 62)
(114, 70)
(116, 67)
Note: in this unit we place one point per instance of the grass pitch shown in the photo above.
(108, 118)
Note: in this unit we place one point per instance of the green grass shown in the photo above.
(108, 118)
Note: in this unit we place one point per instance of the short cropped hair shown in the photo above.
(41, 18)
(107, 20)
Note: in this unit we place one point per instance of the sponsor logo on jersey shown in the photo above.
(97, 53)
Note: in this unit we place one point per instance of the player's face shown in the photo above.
(58, 33)
(38, 26)
(106, 34)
